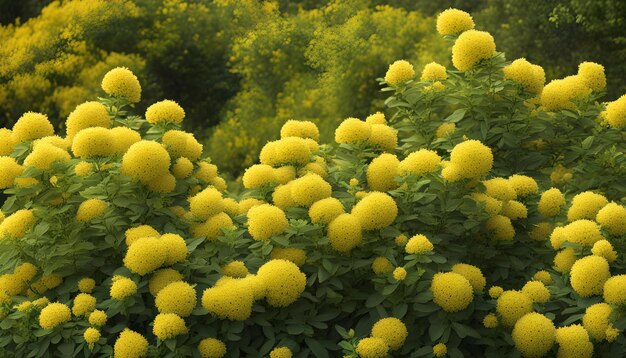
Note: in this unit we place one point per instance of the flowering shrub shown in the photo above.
(447, 229)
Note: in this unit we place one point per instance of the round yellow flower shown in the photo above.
(165, 111)
(212, 227)
(592, 75)
(163, 184)
(440, 350)
(283, 281)
(91, 209)
(471, 47)
(138, 232)
(383, 137)
(182, 168)
(615, 112)
(83, 304)
(177, 297)
(31, 126)
(325, 210)
(615, 290)
(451, 291)
(182, 144)
(445, 130)
(302, 129)
(122, 287)
(54, 315)
(168, 326)
(9, 170)
(123, 138)
(490, 205)
(551, 202)
(232, 299)
(372, 347)
(490, 321)
(83, 169)
(500, 228)
(560, 94)
(175, 247)
(392, 330)
(281, 352)
(308, 189)
(291, 150)
(537, 291)
(353, 130)
(612, 218)
(236, 269)
(121, 82)
(420, 162)
(586, 205)
(97, 318)
(495, 291)
(471, 159)
(7, 143)
(206, 203)
(513, 305)
(523, 185)
(564, 259)
(145, 255)
(534, 335)
(18, 224)
(603, 248)
(454, 21)
(434, 72)
(25, 271)
(612, 333)
(91, 336)
(376, 118)
(86, 115)
(400, 71)
(381, 265)
(499, 188)
(472, 274)
(258, 175)
(583, 232)
(285, 174)
(44, 155)
(146, 161)
(531, 77)
(162, 278)
(130, 344)
(418, 244)
(588, 275)
(543, 276)
(376, 211)
(596, 320)
(399, 273)
(514, 210)
(297, 256)
(211, 348)
(573, 342)
(381, 172)
(265, 221)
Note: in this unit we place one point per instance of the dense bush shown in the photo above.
(430, 232)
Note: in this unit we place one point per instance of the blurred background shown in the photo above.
(241, 68)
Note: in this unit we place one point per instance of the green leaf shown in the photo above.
(456, 116)
(318, 350)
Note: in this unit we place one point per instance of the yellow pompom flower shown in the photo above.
(55, 140)
(592, 75)
(291, 150)
(83, 169)
(182, 144)
(440, 350)
(588, 275)
(121, 82)
(495, 291)
(177, 297)
(564, 259)
(499, 188)
(25, 271)
(434, 72)
(445, 130)
(523, 185)
(212, 227)
(376, 118)
(9, 170)
(531, 77)
(471, 159)
(471, 47)
(596, 320)
(472, 274)
(603, 248)
(232, 299)
(399, 274)
(137, 232)
(211, 348)
(265, 221)
(500, 228)
(123, 138)
(301, 129)
(175, 247)
(30, 126)
(514, 210)
(560, 94)
(326, 210)
(376, 211)
(7, 143)
(400, 71)
(91, 209)
(454, 21)
(91, 336)
(537, 291)
(283, 281)
(206, 171)
(543, 276)
(130, 344)
(206, 203)
(258, 175)
(18, 224)
(586, 205)
(281, 352)
(615, 113)
(381, 172)
(612, 333)
(146, 161)
(614, 292)
(392, 330)
(573, 341)
(451, 291)
(381, 265)
(98, 318)
(612, 218)
(86, 115)
(583, 232)
(541, 231)
(83, 304)
(418, 244)
(420, 162)
(145, 255)
(551, 202)
(353, 130)
(372, 347)
(163, 184)
(168, 325)
(122, 287)
(490, 321)
(236, 269)
(165, 111)
(308, 189)
(182, 168)
(297, 256)
(534, 335)
(44, 155)
(281, 197)
(162, 278)
(383, 137)
(344, 232)
(285, 174)
(54, 315)
(512, 305)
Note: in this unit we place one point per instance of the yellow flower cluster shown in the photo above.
(31, 126)
(308, 189)
(596, 320)
(399, 72)
(451, 291)
(434, 72)
(445, 130)
(561, 94)
(235, 269)
(345, 232)
(83, 304)
(91, 209)
(130, 344)
(91, 336)
(472, 274)
(382, 171)
(265, 221)
(206, 203)
(399, 274)
(297, 256)
(162, 278)
(178, 297)
(146, 161)
(440, 350)
(534, 335)
(603, 248)
(44, 155)
(165, 111)
(121, 82)
(18, 224)
(588, 275)
(615, 113)
(573, 341)
(381, 265)
(551, 202)
(352, 130)
(392, 330)
(500, 228)
(592, 75)
(87, 115)
(513, 305)
(301, 129)
(326, 210)
(9, 170)
(612, 218)
(376, 211)
(471, 47)
(536, 291)
(564, 259)
(586, 205)
(7, 142)
(530, 77)
(283, 282)
(418, 244)
(54, 315)
(383, 137)
(231, 299)
(168, 325)
(281, 352)
(86, 285)
(372, 347)
(122, 287)
(523, 185)
(94, 142)
(182, 144)
(614, 291)
(98, 318)
(211, 348)
(454, 21)
(145, 255)
(470, 159)
(419, 162)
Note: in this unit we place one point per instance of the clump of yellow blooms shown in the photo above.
(440, 350)
(145, 255)
(91, 209)
(258, 175)
(512, 305)
(18, 224)
(165, 111)
(44, 155)
(471, 47)
(265, 221)
(121, 82)
(596, 320)
(31, 126)
(376, 118)
(308, 189)
(302, 129)
(236, 269)
(490, 321)
(434, 72)
(281, 352)
(122, 287)
(551, 202)
(83, 169)
(297, 256)
(178, 297)
(534, 335)
(161, 278)
(146, 161)
(372, 347)
(87, 115)
(54, 315)
(376, 211)
(530, 77)
(231, 299)
(91, 336)
(500, 228)
(98, 318)
(345, 232)
(419, 162)
(383, 137)
(392, 330)
(615, 113)
(588, 275)
(352, 130)
(418, 244)
(399, 72)
(381, 265)
(586, 205)
(603, 248)
(543, 276)
(211, 348)
(523, 185)
(137, 232)
(499, 188)
(206, 203)
(612, 218)
(564, 259)
(381, 172)
(592, 75)
(86, 285)
(454, 21)
(325, 210)
(573, 341)
(514, 210)
(536, 291)
(470, 159)
(541, 231)
(182, 144)
(561, 94)
(445, 130)
(399, 273)
(175, 248)
(495, 291)
(83, 304)
(9, 170)
(213, 226)
(472, 274)
(7, 143)
(614, 291)
(93, 142)
(130, 344)
(168, 325)
(583, 232)
(451, 291)
(283, 281)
